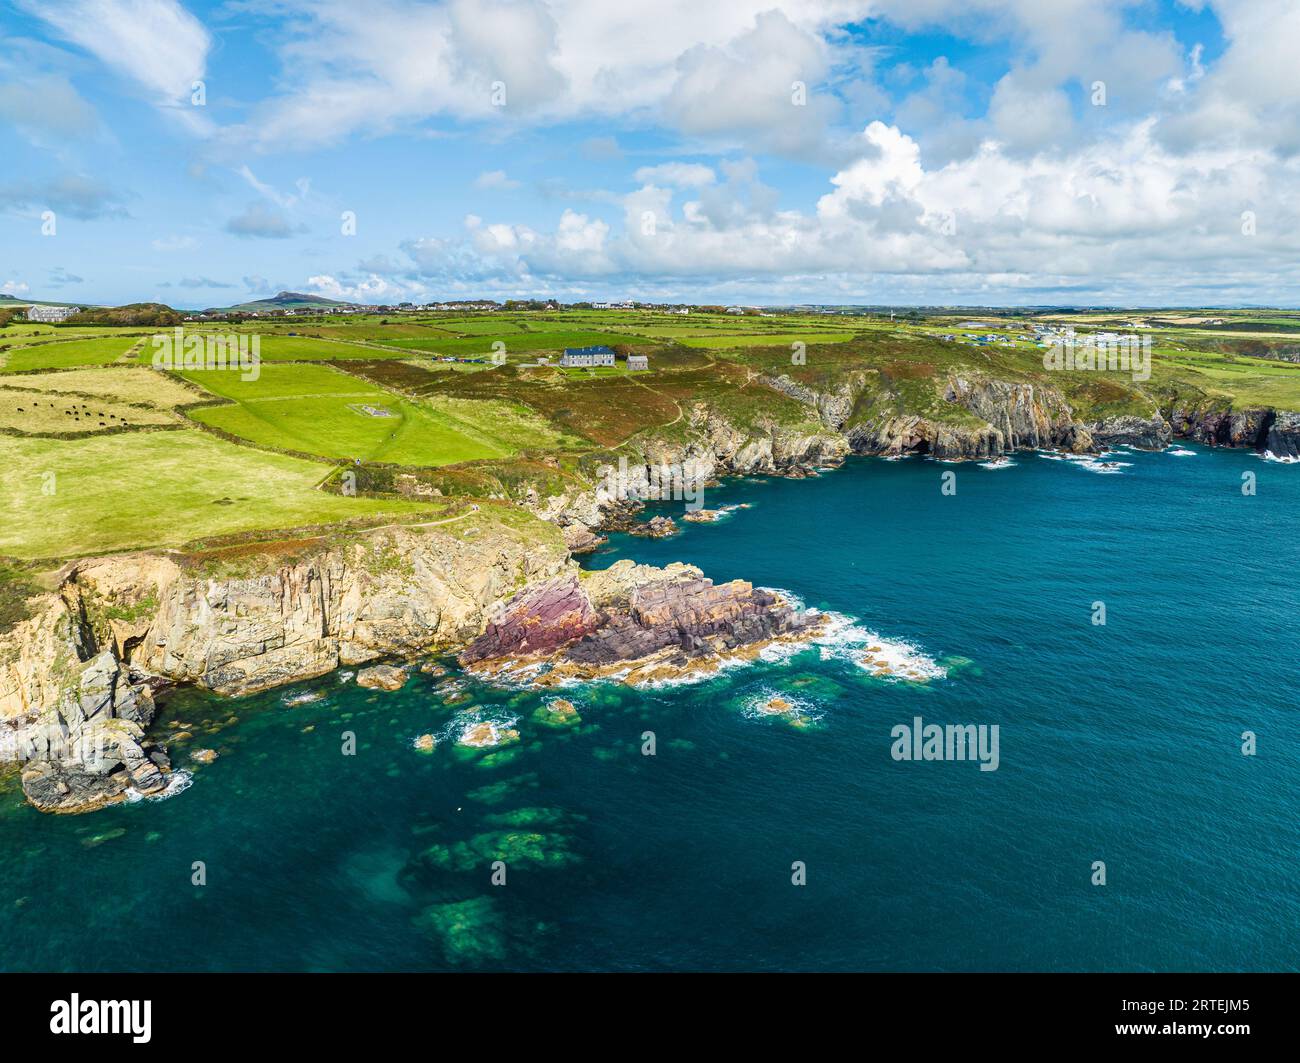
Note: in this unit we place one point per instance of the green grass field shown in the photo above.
(320, 410)
(97, 351)
(1245, 381)
(368, 387)
(721, 342)
(272, 347)
(144, 489)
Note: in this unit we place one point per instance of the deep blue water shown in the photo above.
(1119, 743)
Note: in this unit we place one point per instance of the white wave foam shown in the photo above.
(998, 463)
(1180, 452)
(1090, 462)
(1268, 455)
(799, 710)
(180, 781)
(464, 722)
(844, 638)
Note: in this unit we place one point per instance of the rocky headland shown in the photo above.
(635, 623)
(83, 670)
(80, 676)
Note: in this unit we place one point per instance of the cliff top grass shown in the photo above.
(317, 409)
(371, 387)
(72, 498)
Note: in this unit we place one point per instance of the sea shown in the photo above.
(1127, 624)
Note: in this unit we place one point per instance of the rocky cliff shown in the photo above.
(80, 673)
(679, 468)
(78, 677)
(976, 417)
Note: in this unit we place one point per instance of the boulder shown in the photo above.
(382, 677)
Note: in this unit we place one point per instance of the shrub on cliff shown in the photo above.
(16, 587)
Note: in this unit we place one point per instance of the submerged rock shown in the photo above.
(382, 677)
(469, 931)
(487, 734)
(558, 713)
(203, 756)
(425, 743)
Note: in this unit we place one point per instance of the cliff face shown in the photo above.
(79, 675)
(660, 469)
(1283, 436)
(77, 679)
(1146, 433)
(1222, 428)
(986, 417)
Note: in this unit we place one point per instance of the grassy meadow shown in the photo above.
(67, 498)
(317, 409)
(142, 457)
(97, 350)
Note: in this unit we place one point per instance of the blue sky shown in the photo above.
(949, 151)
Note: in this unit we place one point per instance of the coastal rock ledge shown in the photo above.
(633, 622)
(79, 676)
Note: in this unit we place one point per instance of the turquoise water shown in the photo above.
(1119, 743)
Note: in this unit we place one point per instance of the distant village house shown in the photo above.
(586, 357)
(51, 314)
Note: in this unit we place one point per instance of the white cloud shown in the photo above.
(1124, 209)
(157, 44)
(495, 180)
(44, 106)
(173, 242)
(716, 69)
(677, 174)
(1027, 116)
(761, 85)
(262, 221)
(1249, 96)
(368, 289)
(15, 288)
(280, 199)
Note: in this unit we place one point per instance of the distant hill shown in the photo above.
(151, 314)
(13, 300)
(289, 301)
